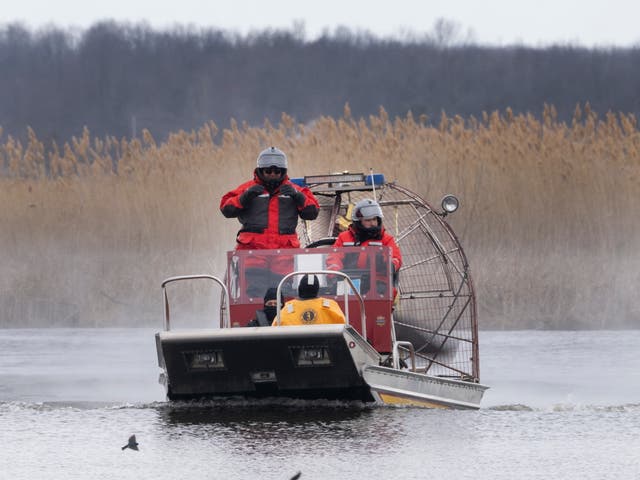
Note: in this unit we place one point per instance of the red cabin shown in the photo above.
(247, 284)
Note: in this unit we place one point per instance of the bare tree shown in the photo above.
(58, 81)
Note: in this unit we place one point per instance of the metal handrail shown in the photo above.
(225, 321)
(363, 320)
(396, 354)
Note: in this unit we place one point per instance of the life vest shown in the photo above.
(269, 214)
(336, 260)
(314, 311)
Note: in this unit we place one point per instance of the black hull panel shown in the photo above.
(263, 362)
(362, 394)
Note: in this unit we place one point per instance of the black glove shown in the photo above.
(250, 193)
(298, 197)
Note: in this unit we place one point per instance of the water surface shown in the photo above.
(561, 405)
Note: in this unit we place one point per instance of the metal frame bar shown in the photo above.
(225, 321)
(396, 354)
(363, 319)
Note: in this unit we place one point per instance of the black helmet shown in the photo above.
(309, 287)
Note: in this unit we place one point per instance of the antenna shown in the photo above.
(373, 184)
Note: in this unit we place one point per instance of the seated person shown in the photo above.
(265, 317)
(309, 309)
(366, 229)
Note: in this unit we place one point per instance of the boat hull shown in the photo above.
(319, 362)
(402, 387)
(330, 362)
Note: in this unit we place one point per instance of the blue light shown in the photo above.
(375, 179)
(298, 181)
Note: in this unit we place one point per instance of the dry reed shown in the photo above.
(548, 214)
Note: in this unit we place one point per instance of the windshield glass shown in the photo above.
(252, 272)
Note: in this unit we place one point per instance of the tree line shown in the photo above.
(118, 79)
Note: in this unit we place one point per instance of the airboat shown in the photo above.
(410, 337)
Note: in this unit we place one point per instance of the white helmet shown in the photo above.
(366, 209)
(272, 157)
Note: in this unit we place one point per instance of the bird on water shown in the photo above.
(132, 443)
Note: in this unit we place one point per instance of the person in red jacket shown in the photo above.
(268, 208)
(366, 229)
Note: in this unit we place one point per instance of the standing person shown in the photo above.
(366, 229)
(268, 207)
(309, 309)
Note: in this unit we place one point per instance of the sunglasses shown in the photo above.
(276, 170)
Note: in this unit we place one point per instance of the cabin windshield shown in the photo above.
(251, 272)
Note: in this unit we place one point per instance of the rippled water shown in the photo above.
(561, 405)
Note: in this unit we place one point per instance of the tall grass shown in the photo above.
(549, 216)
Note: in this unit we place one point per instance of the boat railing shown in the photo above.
(396, 354)
(353, 288)
(225, 321)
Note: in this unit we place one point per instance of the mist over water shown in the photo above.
(540, 217)
(561, 405)
(565, 369)
(533, 369)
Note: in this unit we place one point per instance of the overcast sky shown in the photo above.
(498, 22)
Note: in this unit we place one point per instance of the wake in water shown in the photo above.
(567, 407)
(288, 406)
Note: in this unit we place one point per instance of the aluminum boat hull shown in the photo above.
(272, 362)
